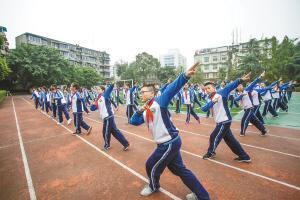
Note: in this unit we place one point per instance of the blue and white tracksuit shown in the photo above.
(223, 119)
(256, 105)
(178, 101)
(47, 102)
(77, 107)
(129, 98)
(188, 100)
(36, 97)
(61, 105)
(246, 101)
(165, 134)
(266, 95)
(109, 125)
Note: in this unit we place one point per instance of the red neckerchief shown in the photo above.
(99, 96)
(149, 113)
(212, 95)
(72, 97)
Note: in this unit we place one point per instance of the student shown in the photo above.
(117, 96)
(244, 95)
(129, 97)
(103, 103)
(256, 104)
(53, 104)
(222, 117)
(77, 108)
(187, 99)
(167, 154)
(35, 96)
(47, 100)
(265, 92)
(61, 105)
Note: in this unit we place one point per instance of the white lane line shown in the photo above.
(248, 145)
(217, 162)
(24, 157)
(116, 161)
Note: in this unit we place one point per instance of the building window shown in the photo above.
(210, 75)
(206, 67)
(224, 58)
(215, 58)
(206, 75)
(206, 59)
(215, 67)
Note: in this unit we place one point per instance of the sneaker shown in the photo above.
(264, 132)
(126, 148)
(76, 133)
(69, 121)
(276, 116)
(250, 124)
(105, 148)
(191, 196)
(89, 130)
(209, 156)
(242, 135)
(59, 123)
(146, 191)
(246, 160)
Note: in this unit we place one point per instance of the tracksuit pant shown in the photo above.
(258, 114)
(47, 106)
(118, 101)
(268, 107)
(189, 111)
(62, 109)
(222, 131)
(78, 122)
(109, 127)
(233, 102)
(129, 112)
(168, 155)
(178, 104)
(54, 108)
(36, 103)
(249, 116)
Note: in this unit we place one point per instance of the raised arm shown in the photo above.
(174, 87)
(108, 91)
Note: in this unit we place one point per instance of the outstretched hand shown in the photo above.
(263, 74)
(192, 70)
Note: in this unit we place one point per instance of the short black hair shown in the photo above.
(151, 85)
(75, 85)
(209, 83)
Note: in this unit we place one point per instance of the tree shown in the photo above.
(146, 67)
(293, 67)
(198, 77)
(165, 73)
(4, 68)
(40, 65)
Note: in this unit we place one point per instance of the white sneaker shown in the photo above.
(69, 121)
(59, 123)
(191, 196)
(146, 191)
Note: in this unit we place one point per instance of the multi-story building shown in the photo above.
(173, 59)
(74, 53)
(4, 45)
(214, 59)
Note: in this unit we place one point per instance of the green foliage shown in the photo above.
(40, 65)
(2, 95)
(198, 77)
(280, 60)
(4, 69)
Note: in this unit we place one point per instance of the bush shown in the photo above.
(297, 89)
(2, 95)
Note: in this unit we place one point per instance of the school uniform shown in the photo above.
(61, 106)
(256, 104)
(187, 99)
(223, 121)
(53, 104)
(166, 136)
(249, 116)
(131, 107)
(109, 125)
(35, 96)
(77, 107)
(47, 102)
(267, 98)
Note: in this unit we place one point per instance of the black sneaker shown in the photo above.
(246, 160)
(126, 147)
(264, 132)
(209, 156)
(76, 133)
(105, 148)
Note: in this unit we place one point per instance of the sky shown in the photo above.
(124, 28)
